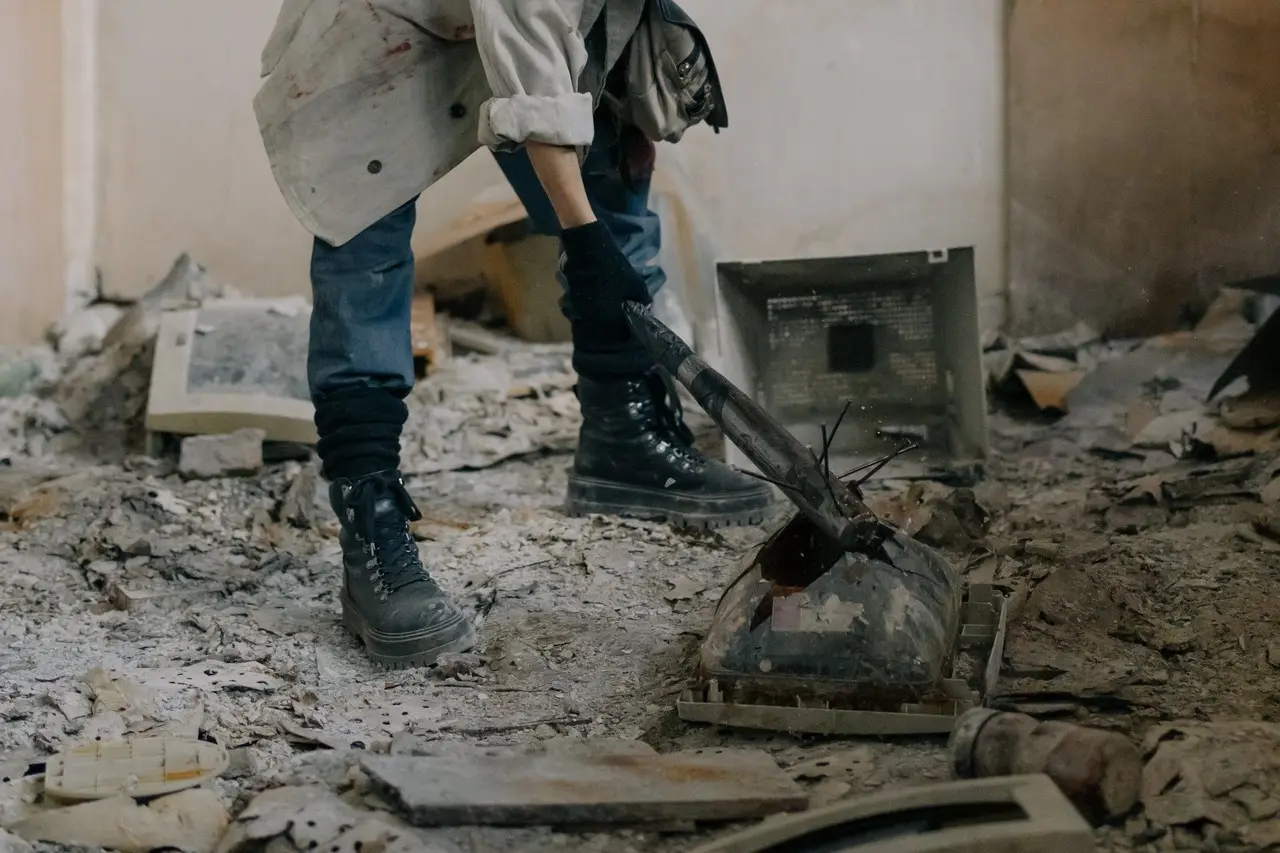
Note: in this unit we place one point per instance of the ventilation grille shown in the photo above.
(874, 345)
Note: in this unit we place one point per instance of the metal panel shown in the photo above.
(896, 335)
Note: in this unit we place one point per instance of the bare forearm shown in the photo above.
(561, 177)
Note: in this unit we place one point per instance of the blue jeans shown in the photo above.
(363, 290)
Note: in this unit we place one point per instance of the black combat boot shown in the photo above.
(388, 600)
(636, 458)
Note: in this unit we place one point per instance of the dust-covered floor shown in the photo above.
(1143, 567)
(588, 628)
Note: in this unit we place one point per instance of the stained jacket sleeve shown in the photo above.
(533, 55)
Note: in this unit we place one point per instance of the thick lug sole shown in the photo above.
(591, 496)
(406, 651)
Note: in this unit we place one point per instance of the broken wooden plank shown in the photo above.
(597, 786)
(476, 338)
(429, 342)
(476, 221)
(124, 598)
(840, 722)
(522, 272)
(1207, 484)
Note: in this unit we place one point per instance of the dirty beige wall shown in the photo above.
(1144, 157)
(182, 166)
(1142, 143)
(857, 127)
(31, 245)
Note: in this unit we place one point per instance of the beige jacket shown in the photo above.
(368, 102)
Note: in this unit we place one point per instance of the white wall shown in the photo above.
(818, 159)
(31, 180)
(182, 166)
(857, 127)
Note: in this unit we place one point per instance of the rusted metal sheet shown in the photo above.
(1015, 814)
(496, 787)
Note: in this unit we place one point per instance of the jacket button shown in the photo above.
(457, 111)
(375, 166)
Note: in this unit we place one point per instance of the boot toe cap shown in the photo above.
(721, 479)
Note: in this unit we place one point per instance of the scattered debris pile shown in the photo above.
(478, 411)
(1212, 783)
(86, 393)
(1044, 370)
(103, 391)
(1127, 547)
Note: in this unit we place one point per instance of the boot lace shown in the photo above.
(394, 562)
(669, 412)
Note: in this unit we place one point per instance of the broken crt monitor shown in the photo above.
(814, 638)
(232, 364)
(839, 623)
(896, 334)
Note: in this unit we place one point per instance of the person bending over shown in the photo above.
(366, 103)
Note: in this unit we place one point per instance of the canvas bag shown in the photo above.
(669, 77)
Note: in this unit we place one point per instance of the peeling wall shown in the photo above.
(31, 244)
(1144, 157)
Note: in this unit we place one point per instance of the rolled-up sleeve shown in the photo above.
(533, 55)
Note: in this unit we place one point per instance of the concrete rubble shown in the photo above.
(1136, 534)
(204, 457)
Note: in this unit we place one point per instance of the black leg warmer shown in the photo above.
(359, 432)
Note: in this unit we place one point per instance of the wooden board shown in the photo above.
(523, 273)
(429, 340)
(476, 221)
(490, 787)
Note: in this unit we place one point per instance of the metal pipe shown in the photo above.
(831, 505)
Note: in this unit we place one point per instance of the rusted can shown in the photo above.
(1099, 771)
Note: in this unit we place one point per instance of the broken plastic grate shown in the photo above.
(874, 345)
(139, 767)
